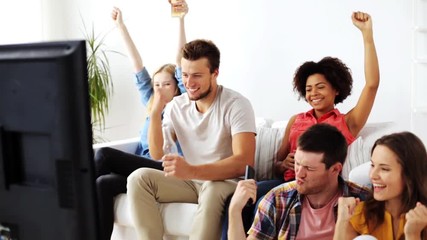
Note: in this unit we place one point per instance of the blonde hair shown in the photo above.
(168, 68)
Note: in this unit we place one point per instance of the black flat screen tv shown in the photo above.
(47, 182)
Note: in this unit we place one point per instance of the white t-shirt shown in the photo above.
(207, 137)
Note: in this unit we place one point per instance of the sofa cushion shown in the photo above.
(263, 122)
(360, 175)
(121, 210)
(359, 152)
(268, 142)
(355, 157)
(173, 222)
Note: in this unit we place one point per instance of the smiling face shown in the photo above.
(311, 174)
(319, 93)
(386, 175)
(199, 82)
(165, 84)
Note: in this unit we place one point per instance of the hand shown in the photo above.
(362, 21)
(176, 166)
(416, 220)
(245, 190)
(287, 163)
(346, 206)
(116, 15)
(159, 101)
(180, 6)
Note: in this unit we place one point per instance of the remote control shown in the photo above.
(249, 174)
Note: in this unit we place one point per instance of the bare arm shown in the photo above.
(243, 145)
(182, 40)
(155, 134)
(236, 230)
(282, 153)
(357, 117)
(133, 53)
(243, 154)
(245, 189)
(343, 231)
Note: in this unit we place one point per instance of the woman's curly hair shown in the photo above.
(335, 72)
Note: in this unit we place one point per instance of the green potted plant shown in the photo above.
(100, 81)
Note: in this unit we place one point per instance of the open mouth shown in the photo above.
(378, 187)
(192, 90)
(315, 101)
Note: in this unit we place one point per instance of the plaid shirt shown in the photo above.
(279, 212)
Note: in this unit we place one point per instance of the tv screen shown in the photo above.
(47, 186)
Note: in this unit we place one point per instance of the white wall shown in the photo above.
(261, 42)
(264, 42)
(27, 22)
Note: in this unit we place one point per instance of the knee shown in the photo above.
(104, 182)
(102, 154)
(217, 190)
(102, 165)
(109, 185)
(138, 178)
(102, 158)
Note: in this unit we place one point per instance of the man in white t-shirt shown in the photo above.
(215, 128)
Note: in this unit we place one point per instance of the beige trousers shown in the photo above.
(146, 187)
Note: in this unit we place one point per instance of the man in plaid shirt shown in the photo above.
(305, 208)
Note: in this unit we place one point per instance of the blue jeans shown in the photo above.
(248, 212)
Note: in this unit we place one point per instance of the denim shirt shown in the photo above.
(143, 83)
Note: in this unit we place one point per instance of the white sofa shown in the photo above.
(177, 217)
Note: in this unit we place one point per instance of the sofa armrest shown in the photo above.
(126, 145)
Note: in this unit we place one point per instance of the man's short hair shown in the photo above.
(201, 48)
(326, 139)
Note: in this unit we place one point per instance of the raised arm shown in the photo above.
(357, 117)
(133, 53)
(155, 136)
(182, 40)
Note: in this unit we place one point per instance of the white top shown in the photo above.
(207, 137)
